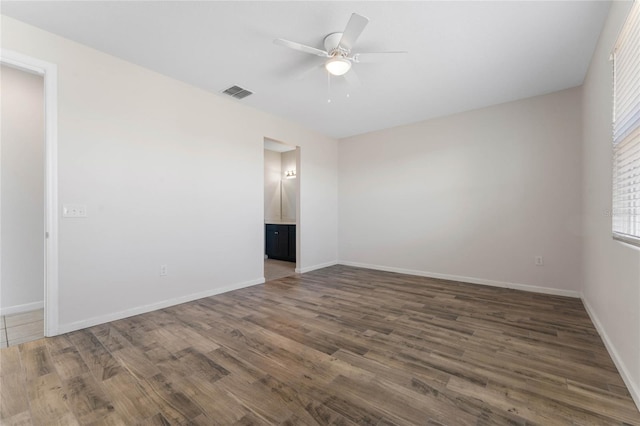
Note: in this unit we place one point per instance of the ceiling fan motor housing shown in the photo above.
(331, 44)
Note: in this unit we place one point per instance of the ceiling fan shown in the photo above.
(338, 49)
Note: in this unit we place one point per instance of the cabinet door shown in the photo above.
(282, 242)
(271, 240)
(277, 242)
(292, 243)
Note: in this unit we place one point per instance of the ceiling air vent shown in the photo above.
(237, 92)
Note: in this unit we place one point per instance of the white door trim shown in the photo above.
(50, 72)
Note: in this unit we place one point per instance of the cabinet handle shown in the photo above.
(275, 233)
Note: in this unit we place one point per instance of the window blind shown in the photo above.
(626, 130)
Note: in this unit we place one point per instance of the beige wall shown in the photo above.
(171, 174)
(272, 187)
(473, 196)
(288, 187)
(22, 191)
(611, 268)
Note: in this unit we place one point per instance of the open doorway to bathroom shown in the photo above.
(281, 211)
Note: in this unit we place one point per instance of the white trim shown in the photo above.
(314, 267)
(472, 280)
(18, 309)
(50, 73)
(90, 322)
(627, 239)
(298, 209)
(632, 387)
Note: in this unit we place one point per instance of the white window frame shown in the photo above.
(626, 131)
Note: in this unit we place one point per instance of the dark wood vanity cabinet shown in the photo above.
(280, 242)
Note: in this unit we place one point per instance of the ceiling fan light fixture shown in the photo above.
(338, 65)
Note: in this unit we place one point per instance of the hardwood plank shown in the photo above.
(14, 401)
(36, 359)
(96, 357)
(20, 419)
(258, 399)
(135, 361)
(341, 346)
(251, 419)
(155, 420)
(10, 361)
(66, 358)
(48, 401)
(110, 337)
(128, 398)
(217, 405)
(87, 399)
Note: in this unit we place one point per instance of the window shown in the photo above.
(626, 130)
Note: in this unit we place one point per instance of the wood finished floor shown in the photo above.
(341, 346)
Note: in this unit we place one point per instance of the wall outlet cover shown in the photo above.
(74, 210)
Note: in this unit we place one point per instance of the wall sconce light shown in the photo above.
(290, 174)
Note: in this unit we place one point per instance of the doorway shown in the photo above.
(22, 206)
(28, 201)
(281, 209)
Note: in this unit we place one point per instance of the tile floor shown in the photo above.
(275, 269)
(21, 328)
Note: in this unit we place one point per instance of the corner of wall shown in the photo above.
(633, 388)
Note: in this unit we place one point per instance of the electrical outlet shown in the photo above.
(163, 270)
(539, 261)
(74, 210)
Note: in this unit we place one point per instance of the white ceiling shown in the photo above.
(462, 55)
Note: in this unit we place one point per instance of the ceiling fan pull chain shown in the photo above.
(328, 88)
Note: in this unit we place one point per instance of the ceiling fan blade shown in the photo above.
(304, 74)
(375, 56)
(301, 47)
(352, 78)
(354, 28)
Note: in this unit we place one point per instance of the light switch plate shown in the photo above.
(74, 210)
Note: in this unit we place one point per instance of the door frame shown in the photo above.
(50, 73)
(298, 266)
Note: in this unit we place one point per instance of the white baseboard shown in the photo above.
(634, 388)
(472, 280)
(314, 267)
(17, 309)
(90, 322)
